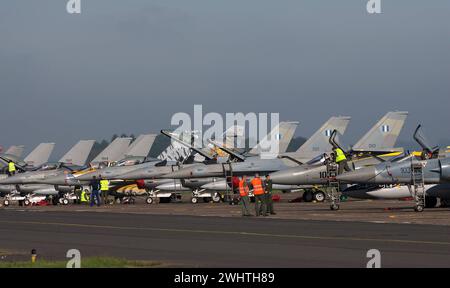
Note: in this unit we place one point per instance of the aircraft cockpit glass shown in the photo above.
(127, 162)
(46, 167)
(317, 160)
(401, 158)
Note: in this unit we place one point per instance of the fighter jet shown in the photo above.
(436, 168)
(34, 160)
(76, 157)
(380, 139)
(136, 153)
(147, 175)
(255, 164)
(66, 181)
(412, 172)
(26, 182)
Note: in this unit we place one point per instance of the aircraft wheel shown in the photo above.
(334, 207)
(418, 208)
(149, 200)
(27, 202)
(216, 198)
(6, 203)
(319, 196)
(430, 202)
(194, 200)
(308, 196)
(65, 201)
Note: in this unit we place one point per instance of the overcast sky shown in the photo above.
(127, 66)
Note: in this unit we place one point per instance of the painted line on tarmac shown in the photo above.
(238, 233)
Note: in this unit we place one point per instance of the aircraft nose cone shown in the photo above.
(363, 175)
(284, 177)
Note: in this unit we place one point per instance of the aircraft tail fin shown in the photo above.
(141, 146)
(114, 152)
(78, 154)
(39, 155)
(383, 136)
(282, 134)
(16, 151)
(319, 143)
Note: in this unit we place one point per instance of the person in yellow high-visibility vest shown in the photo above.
(84, 197)
(104, 188)
(341, 160)
(11, 168)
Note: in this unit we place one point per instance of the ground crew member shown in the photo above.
(104, 187)
(245, 200)
(84, 197)
(11, 168)
(268, 193)
(258, 191)
(95, 188)
(341, 160)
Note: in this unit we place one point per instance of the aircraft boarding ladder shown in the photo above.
(228, 172)
(418, 185)
(333, 186)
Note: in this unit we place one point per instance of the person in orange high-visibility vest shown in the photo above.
(260, 199)
(245, 200)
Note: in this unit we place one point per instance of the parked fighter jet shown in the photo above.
(436, 168)
(21, 183)
(135, 154)
(76, 157)
(256, 164)
(416, 171)
(35, 159)
(379, 140)
(66, 182)
(147, 174)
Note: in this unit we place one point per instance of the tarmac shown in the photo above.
(215, 235)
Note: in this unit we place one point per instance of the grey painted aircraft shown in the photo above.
(34, 159)
(378, 140)
(75, 157)
(396, 191)
(282, 134)
(256, 164)
(135, 154)
(436, 167)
